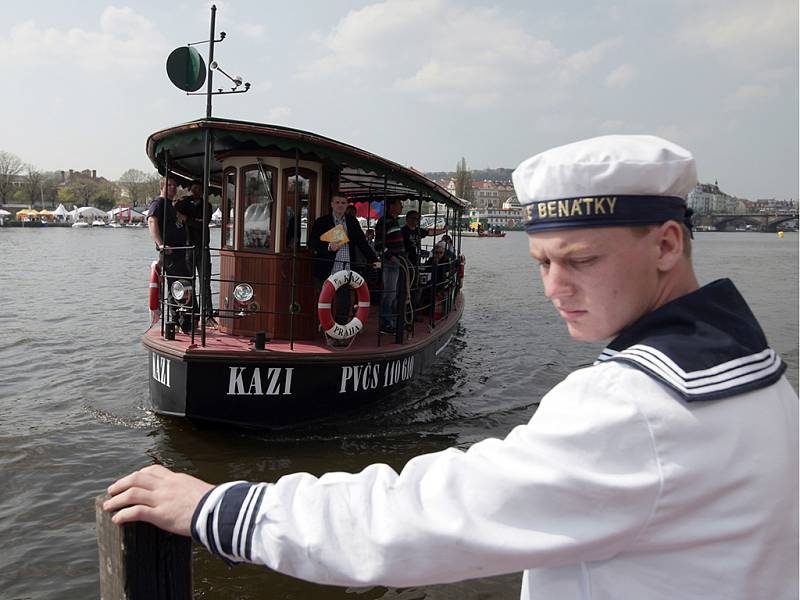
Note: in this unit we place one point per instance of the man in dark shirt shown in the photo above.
(412, 235)
(389, 243)
(196, 225)
(166, 226)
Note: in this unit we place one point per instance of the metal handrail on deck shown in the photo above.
(436, 306)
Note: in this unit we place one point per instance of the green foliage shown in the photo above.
(463, 181)
(139, 187)
(10, 167)
(89, 192)
(49, 188)
(498, 174)
(105, 196)
(34, 187)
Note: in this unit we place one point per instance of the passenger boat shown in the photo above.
(268, 363)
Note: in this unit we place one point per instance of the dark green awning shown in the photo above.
(361, 173)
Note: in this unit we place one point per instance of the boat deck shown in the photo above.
(369, 342)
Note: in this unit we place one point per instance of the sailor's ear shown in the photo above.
(669, 237)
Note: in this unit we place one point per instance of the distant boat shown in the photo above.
(80, 224)
(98, 223)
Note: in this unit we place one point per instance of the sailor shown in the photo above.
(667, 469)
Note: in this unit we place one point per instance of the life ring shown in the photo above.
(155, 276)
(329, 288)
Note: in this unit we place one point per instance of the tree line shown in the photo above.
(46, 189)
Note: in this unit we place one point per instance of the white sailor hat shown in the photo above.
(605, 181)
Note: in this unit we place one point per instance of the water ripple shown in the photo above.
(76, 413)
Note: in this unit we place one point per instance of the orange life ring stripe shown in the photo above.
(155, 276)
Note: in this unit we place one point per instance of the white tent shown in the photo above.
(87, 213)
(125, 213)
(4, 213)
(90, 212)
(61, 213)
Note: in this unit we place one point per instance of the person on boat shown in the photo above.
(440, 267)
(389, 244)
(334, 256)
(166, 225)
(412, 238)
(196, 227)
(450, 249)
(370, 234)
(666, 469)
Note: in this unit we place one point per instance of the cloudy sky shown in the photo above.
(422, 82)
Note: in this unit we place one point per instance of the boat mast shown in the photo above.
(206, 176)
(208, 138)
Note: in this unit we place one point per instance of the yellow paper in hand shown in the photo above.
(336, 235)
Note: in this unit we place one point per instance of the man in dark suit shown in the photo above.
(331, 257)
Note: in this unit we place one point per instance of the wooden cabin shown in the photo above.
(274, 183)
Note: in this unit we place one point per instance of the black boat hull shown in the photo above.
(264, 390)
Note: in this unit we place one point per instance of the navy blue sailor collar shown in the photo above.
(705, 345)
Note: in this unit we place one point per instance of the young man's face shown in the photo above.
(196, 190)
(168, 189)
(394, 208)
(600, 280)
(339, 206)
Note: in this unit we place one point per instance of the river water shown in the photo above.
(74, 407)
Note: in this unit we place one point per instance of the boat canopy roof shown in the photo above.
(361, 174)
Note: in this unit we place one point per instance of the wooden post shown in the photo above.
(139, 561)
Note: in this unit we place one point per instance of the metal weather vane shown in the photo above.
(187, 70)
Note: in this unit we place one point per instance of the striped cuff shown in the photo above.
(224, 520)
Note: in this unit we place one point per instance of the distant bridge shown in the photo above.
(758, 221)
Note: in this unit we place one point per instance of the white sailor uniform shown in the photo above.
(669, 469)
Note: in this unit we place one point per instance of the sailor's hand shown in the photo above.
(156, 495)
(376, 264)
(165, 249)
(334, 246)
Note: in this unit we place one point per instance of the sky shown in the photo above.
(421, 82)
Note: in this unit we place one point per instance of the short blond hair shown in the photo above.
(643, 230)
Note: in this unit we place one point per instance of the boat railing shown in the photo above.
(430, 297)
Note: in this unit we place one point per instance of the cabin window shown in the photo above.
(259, 204)
(228, 208)
(300, 203)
